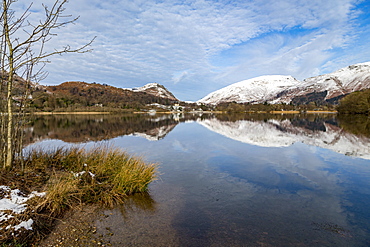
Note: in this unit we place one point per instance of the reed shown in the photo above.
(71, 177)
(103, 175)
(62, 194)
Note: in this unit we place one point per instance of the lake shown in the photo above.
(232, 180)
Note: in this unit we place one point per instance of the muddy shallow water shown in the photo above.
(243, 182)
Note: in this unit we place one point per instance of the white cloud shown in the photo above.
(178, 76)
(144, 41)
(281, 53)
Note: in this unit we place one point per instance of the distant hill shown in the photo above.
(20, 85)
(264, 90)
(84, 94)
(275, 89)
(156, 90)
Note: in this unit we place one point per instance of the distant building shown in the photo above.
(177, 107)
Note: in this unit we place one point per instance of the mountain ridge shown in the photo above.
(79, 94)
(271, 89)
(276, 89)
(156, 89)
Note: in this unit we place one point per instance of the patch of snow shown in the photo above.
(13, 200)
(25, 224)
(14, 203)
(147, 86)
(5, 217)
(79, 174)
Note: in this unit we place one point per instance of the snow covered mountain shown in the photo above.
(156, 90)
(256, 90)
(285, 89)
(341, 82)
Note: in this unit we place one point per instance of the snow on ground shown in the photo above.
(13, 204)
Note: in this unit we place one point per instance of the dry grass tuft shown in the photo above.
(72, 177)
(102, 175)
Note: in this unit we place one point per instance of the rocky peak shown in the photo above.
(156, 90)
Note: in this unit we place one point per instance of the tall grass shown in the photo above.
(71, 177)
(102, 175)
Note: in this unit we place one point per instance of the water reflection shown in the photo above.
(240, 180)
(344, 134)
(356, 124)
(318, 131)
(137, 202)
(85, 128)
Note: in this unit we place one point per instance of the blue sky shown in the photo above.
(194, 47)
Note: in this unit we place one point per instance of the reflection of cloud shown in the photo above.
(249, 195)
(293, 182)
(178, 146)
(282, 133)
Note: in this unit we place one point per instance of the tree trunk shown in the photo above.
(9, 151)
(9, 99)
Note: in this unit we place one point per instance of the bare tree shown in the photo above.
(23, 52)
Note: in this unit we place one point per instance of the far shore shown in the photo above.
(69, 112)
(285, 112)
(171, 112)
(307, 112)
(322, 112)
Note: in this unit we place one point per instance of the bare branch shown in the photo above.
(28, 56)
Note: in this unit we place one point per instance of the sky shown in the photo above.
(194, 47)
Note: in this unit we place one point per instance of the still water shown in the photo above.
(249, 180)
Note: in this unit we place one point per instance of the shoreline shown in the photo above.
(303, 112)
(333, 112)
(192, 112)
(65, 113)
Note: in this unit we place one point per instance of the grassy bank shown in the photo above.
(70, 177)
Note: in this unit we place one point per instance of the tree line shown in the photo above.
(355, 103)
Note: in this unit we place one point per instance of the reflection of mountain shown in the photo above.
(258, 129)
(285, 132)
(156, 133)
(83, 128)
